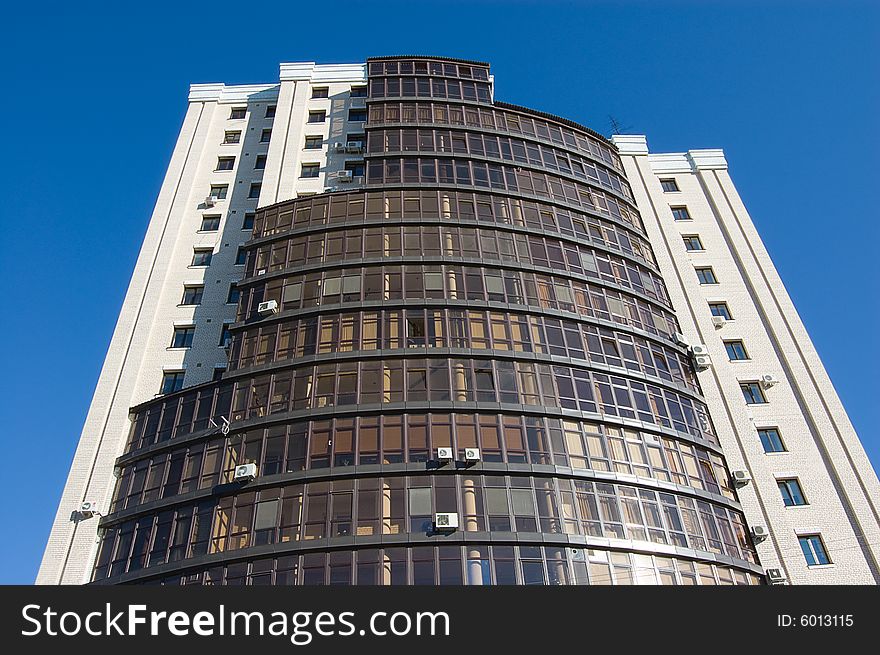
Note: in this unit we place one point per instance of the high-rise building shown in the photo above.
(385, 329)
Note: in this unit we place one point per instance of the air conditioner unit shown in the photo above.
(680, 339)
(354, 146)
(445, 454)
(261, 271)
(88, 508)
(651, 439)
(446, 521)
(339, 146)
(267, 308)
(700, 355)
(209, 201)
(245, 473)
(741, 477)
(775, 576)
(718, 321)
(472, 454)
(344, 176)
(768, 381)
(759, 532)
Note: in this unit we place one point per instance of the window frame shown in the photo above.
(211, 217)
(701, 274)
(726, 315)
(178, 377)
(769, 440)
(186, 289)
(791, 490)
(311, 166)
(188, 334)
(689, 241)
(750, 387)
(201, 252)
(808, 539)
(677, 209)
(735, 347)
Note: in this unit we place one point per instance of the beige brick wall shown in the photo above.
(823, 450)
(140, 349)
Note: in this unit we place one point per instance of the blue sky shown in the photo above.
(94, 97)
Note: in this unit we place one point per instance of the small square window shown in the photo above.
(753, 393)
(210, 224)
(792, 494)
(771, 440)
(669, 185)
(814, 550)
(225, 335)
(317, 116)
(355, 167)
(254, 191)
(736, 351)
(225, 163)
(238, 113)
(310, 170)
(314, 142)
(265, 135)
(270, 111)
(706, 275)
(183, 337)
(433, 281)
(234, 295)
(359, 92)
(248, 222)
(232, 136)
(219, 191)
(720, 309)
(260, 162)
(680, 213)
(351, 285)
(202, 257)
(241, 257)
(357, 115)
(172, 381)
(320, 92)
(692, 242)
(192, 295)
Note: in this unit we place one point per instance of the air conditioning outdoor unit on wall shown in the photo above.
(245, 473)
(700, 355)
(768, 381)
(446, 521)
(775, 576)
(445, 454)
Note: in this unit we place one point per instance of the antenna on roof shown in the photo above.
(616, 126)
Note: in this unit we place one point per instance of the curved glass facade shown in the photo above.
(491, 286)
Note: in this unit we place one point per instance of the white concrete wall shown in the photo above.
(140, 349)
(823, 450)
